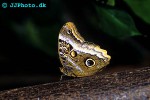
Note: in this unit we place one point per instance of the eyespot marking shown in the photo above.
(89, 62)
(73, 53)
(69, 31)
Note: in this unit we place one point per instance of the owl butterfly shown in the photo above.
(79, 57)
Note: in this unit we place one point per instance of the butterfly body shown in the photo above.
(79, 57)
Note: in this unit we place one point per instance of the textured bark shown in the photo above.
(121, 85)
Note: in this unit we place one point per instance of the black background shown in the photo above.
(22, 64)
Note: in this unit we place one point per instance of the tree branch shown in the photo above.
(121, 85)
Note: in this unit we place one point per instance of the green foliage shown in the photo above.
(111, 2)
(141, 8)
(44, 38)
(115, 23)
(41, 30)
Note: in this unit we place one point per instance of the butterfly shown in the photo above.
(79, 58)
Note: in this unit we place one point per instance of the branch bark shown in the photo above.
(121, 85)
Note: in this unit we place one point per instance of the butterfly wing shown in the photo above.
(78, 57)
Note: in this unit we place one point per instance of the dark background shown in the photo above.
(28, 40)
